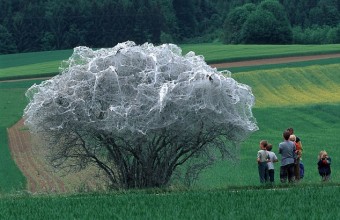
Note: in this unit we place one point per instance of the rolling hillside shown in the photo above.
(294, 86)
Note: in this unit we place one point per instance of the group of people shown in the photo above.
(291, 167)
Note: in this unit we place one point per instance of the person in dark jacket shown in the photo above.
(324, 165)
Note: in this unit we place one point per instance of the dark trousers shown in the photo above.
(271, 175)
(287, 171)
(297, 169)
(263, 172)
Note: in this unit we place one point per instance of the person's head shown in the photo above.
(290, 130)
(269, 147)
(286, 135)
(263, 144)
(292, 137)
(322, 155)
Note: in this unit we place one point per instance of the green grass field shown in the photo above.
(42, 64)
(294, 86)
(12, 103)
(298, 203)
(318, 127)
(303, 96)
(307, 99)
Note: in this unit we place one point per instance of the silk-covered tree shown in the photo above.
(139, 113)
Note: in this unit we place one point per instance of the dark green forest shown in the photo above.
(37, 25)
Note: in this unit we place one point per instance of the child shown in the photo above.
(298, 154)
(262, 159)
(302, 170)
(272, 159)
(324, 165)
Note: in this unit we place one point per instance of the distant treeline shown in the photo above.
(37, 25)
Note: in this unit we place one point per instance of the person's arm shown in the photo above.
(320, 162)
(258, 156)
(280, 150)
(329, 160)
(275, 159)
(301, 146)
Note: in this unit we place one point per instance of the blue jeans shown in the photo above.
(263, 172)
(271, 175)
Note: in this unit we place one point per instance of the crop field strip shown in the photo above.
(310, 85)
(294, 64)
(46, 64)
(270, 61)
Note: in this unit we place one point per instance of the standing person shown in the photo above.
(298, 140)
(287, 151)
(272, 159)
(292, 138)
(262, 159)
(324, 165)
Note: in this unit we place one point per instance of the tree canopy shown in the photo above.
(61, 24)
(265, 24)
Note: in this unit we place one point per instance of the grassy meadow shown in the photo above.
(304, 96)
(307, 99)
(297, 203)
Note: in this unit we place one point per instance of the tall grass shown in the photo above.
(298, 203)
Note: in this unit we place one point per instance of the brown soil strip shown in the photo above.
(275, 61)
(40, 176)
(39, 179)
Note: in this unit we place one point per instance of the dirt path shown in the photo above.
(275, 60)
(40, 177)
